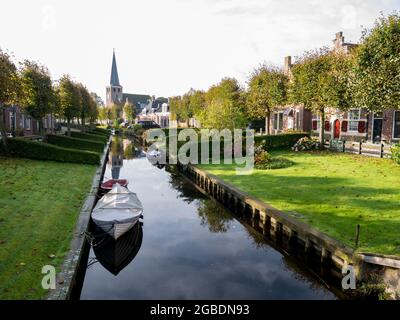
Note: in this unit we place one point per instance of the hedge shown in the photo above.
(280, 141)
(100, 131)
(88, 136)
(24, 148)
(75, 143)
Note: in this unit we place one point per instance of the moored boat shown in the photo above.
(108, 185)
(117, 211)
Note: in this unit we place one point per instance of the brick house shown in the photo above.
(18, 123)
(384, 126)
(290, 117)
(353, 125)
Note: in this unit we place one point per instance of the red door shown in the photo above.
(336, 133)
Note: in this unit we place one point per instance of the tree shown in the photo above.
(320, 80)
(85, 104)
(37, 91)
(267, 89)
(102, 112)
(197, 102)
(174, 107)
(115, 112)
(69, 100)
(377, 67)
(9, 89)
(99, 101)
(224, 106)
(93, 110)
(129, 111)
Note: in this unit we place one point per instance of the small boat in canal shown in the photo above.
(156, 157)
(117, 211)
(108, 185)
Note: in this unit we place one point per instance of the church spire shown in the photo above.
(114, 81)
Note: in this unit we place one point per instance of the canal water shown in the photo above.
(189, 246)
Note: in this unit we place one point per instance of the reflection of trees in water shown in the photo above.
(214, 216)
(186, 192)
(125, 148)
(299, 269)
(117, 146)
(129, 150)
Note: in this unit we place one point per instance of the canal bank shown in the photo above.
(70, 270)
(192, 247)
(300, 238)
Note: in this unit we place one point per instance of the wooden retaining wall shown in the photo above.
(272, 220)
(307, 240)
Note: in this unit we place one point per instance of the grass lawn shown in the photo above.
(39, 205)
(333, 192)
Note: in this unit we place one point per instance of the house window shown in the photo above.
(316, 122)
(396, 126)
(22, 121)
(278, 121)
(354, 118)
(297, 120)
(28, 123)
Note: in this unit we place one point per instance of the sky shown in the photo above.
(166, 47)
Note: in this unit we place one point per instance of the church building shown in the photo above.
(115, 94)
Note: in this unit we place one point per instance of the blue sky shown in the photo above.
(165, 47)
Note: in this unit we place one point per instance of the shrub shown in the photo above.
(75, 143)
(263, 160)
(42, 151)
(395, 149)
(89, 136)
(305, 144)
(279, 141)
(100, 131)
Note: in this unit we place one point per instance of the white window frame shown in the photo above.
(353, 120)
(28, 123)
(22, 121)
(394, 123)
(279, 117)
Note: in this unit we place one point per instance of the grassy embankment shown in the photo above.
(39, 206)
(333, 192)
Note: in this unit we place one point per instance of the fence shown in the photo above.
(363, 148)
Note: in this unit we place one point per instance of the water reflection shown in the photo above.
(214, 216)
(193, 248)
(115, 255)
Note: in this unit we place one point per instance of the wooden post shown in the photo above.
(357, 234)
(360, 148)
(344, 146)
(382, 149)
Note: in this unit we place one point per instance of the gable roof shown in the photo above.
(136, 99)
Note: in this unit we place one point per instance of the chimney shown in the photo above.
(287, 64)
(339, 41)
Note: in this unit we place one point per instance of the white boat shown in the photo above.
(117, 211)
(156, 156)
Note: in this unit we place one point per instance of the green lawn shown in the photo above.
(39, 205)
(333, 192)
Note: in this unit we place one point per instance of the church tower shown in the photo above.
(114, 90)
